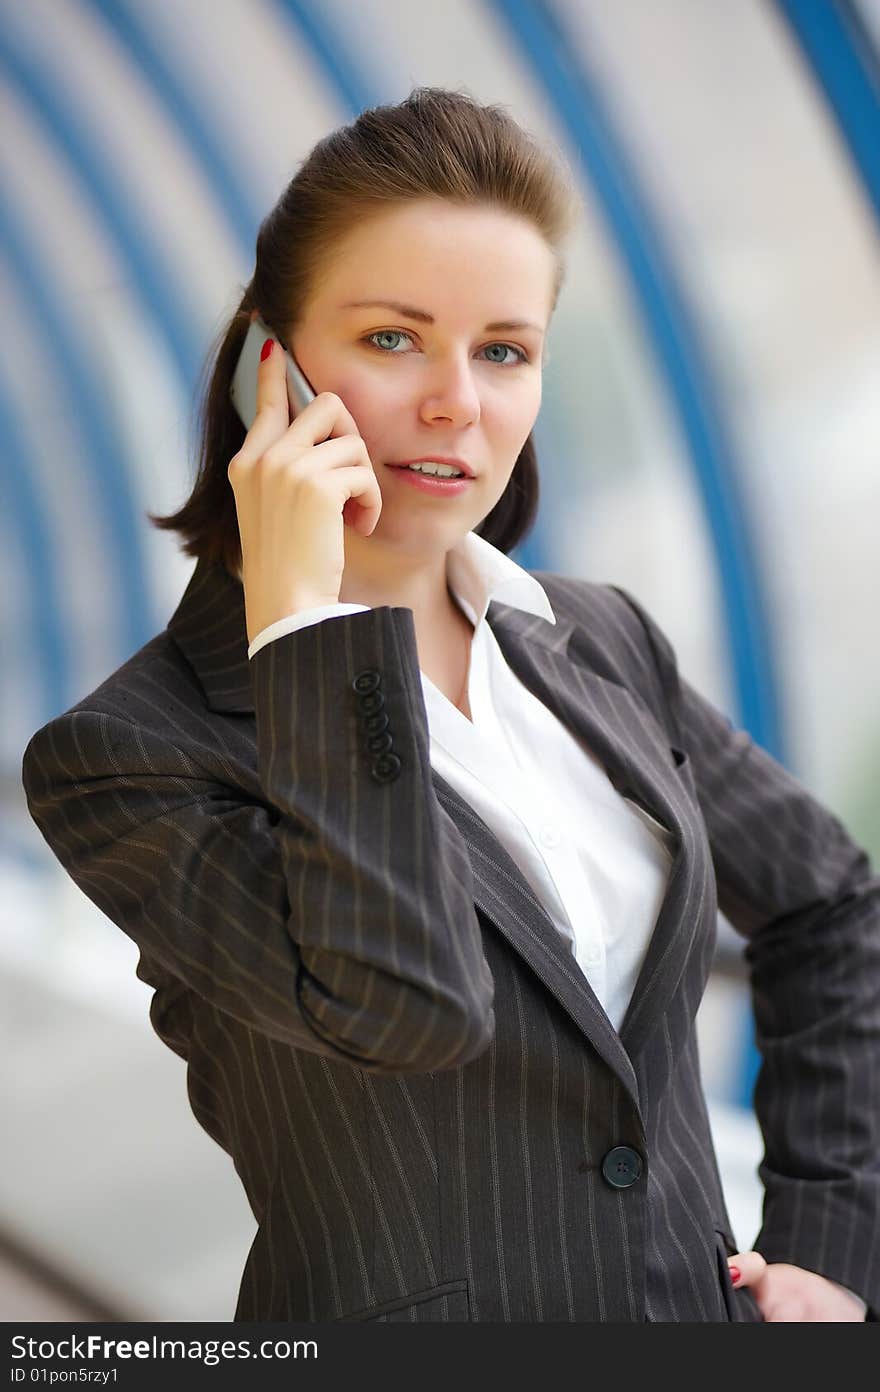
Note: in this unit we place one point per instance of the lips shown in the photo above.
(430, 484)
(451, 460)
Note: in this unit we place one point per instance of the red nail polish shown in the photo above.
(735, 1275)
(267, 349)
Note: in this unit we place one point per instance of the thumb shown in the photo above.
(751, 1267)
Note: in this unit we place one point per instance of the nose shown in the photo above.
(452, 395)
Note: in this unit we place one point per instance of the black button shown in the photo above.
(367, 680)
(373, 702)
(386, 768)
(380, 744)
(622, 1166)
(375, 724)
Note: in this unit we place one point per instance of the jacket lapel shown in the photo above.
(209, 627)
(618, 728)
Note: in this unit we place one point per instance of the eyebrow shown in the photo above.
(410, 312)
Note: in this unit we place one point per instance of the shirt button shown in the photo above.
(550, 835)
(593, 956)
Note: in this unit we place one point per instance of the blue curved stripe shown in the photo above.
(102, 450)
(331, 54)
(550, 52)
(41, 593)
(841, 55)
(238, 207)
(152, 279)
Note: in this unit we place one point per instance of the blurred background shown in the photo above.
(708, 439)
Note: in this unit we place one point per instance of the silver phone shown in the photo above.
(243, 390)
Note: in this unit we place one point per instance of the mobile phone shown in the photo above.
(243, 390)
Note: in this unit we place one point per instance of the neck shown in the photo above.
(377, 576)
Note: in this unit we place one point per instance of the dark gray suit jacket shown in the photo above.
(431, 1114)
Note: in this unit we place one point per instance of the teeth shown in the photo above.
(440, 470)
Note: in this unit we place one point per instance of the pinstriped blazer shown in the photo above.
(424, 1099)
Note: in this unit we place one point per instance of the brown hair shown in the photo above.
(436, 143)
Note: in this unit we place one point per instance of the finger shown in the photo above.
(272, 413)
(272, 402)
(325, 418)
(363, 505)
(751, 1267)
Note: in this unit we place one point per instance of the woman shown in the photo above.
(427, 890)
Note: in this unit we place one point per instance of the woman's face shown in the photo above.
(430, 377)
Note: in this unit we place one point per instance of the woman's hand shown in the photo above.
(789, 1293)
(296, 484)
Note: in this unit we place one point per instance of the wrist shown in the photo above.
(277, 612)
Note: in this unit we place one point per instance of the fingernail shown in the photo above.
(735, 1275)
(267, 349)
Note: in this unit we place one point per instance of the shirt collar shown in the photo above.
(477, 572)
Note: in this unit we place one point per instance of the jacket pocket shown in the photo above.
(682, 766)
(446, 1304)
(683, 774)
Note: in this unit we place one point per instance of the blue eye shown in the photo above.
(385, 333)
(400, 333)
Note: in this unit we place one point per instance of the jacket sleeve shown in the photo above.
(804, 895)
(336, 912)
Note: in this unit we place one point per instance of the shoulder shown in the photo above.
(582, 599)
(153, 696)
(609, 620)
(148, 686)
(614, 636)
